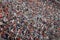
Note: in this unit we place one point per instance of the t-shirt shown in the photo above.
(0, 0)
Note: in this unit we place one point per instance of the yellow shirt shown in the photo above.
(0, 0)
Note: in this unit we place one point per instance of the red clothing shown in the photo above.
(58, 28)
(6, 9)
(0, 10)
(36, 39)
(0, 15)
(18, 39)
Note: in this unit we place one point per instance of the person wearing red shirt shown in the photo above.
(0, 12)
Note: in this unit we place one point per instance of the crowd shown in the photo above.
(29, 20)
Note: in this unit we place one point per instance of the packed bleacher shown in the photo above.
(29, 20)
